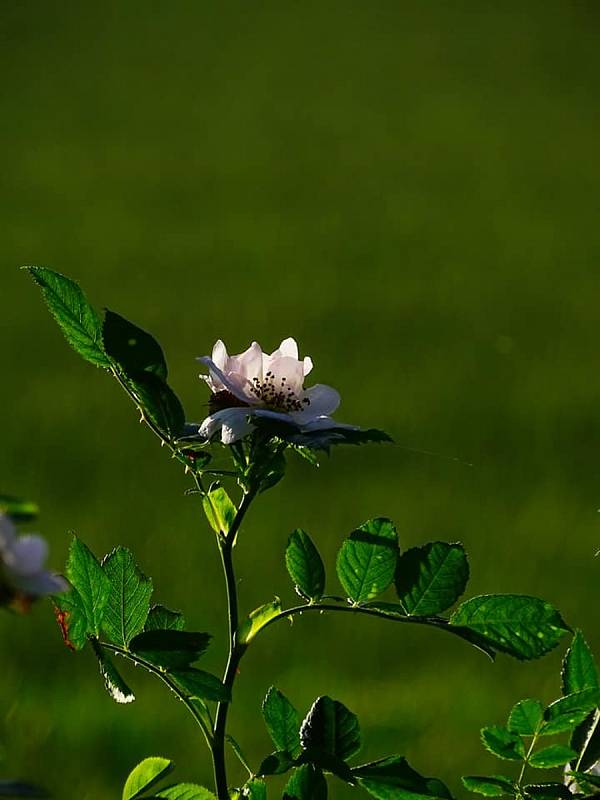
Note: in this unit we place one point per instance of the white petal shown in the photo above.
(219, 354)
(288, 347)
(232, 418)
(308, 365)
(235, 383)
(324, 400)
(249, 363)
(27, 556)
(236, 427)
(288, 374)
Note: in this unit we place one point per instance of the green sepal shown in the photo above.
(367, 560)
(255, 789)
(431, 578)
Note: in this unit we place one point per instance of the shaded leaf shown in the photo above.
(147, 773)
(586, 741)
(17, 508)
(589, 778)
(367, 560)
(170, 649)
(332, 728)
(489, 785)
(76, 318)
(281, 719)
(555, 755)
(114, 683)
(305, 566)
(392, 778)
(524, 627)
(547, 790)
(276, 763)
(306, 783)
(201, 684)
(219, 509)
(431, 578)
(256, 620)
(132, 348)
(502, 743)
(526, 717)
(158, 402)
(579, 669)
(92, 585)
(162, 618)
(129, 601)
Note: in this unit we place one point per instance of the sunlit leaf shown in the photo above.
(526, 717)
(17, 508)
(332, 728)
(305, 566)
(579, 670)
(282, 721)
(162, 618)
(555, 755)
(219, 509)
(92, 584)
(569, 711)
(129, 601)
(257, 619)
(145, 775)
(431, 578)
(502, 743)
(367, 560)
(489, 785)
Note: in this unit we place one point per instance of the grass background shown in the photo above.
(408, 188)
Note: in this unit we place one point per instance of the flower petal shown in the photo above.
(324, 400)
(308, 365)
(249, 364)
(41, 583)
(230, 421)
(288, 373)
(8, 532)
(237, 384)
(288, 347)
(219, 354)
(27, 555)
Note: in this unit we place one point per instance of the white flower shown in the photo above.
(255, 384)
(22, 560)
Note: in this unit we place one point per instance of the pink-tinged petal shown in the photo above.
(27, 555)
(41, 583)
(219, 354)
(308, 365)
(8, 532)
(237, 384)
(288, 374)
(249, 363)
(324, 400)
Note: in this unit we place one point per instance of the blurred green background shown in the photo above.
(411, 190)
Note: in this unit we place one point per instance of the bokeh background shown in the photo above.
(411, 190)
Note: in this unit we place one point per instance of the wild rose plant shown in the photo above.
(260, 415)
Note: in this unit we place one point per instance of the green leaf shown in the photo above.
(162, 618)
(489, 785)
(281, 719)
(586, 741)
(328, 763)
(147, 773)
(256, 620)
(158, 402)
(18, 509)
(20, 789)
(114, 683)
(129, 602)
(392, 778)
(71, 619)
(555, 755)
(331, 728)
(526, 717)
(185, 791)
(219, 509)
(502, 743)
(431, 578)
(543, 790)
(367, 560)
(276, 763)
(76, 318)
(92, 584)
(132, 348)
(255, 790)
(524, 627)
(305, 566)
(170, 649)
(589, 778)
(306, 783)
(568, 712)
(202, 685)
(579, 669)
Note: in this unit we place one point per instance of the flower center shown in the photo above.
(224, 399)
(275, 394)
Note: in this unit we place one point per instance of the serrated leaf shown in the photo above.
(306, 783)
(71, 619)
(579, 669)
(147, 773)
(113, 682)
(331, 728)
(489, 785)
(569, 711)
(17, 508)
(502, 743)
(134, 349)
(586, 741)
(92, 584)
(555, 755)
(158, 402)
(162, 618)
(393, 778)
(431, 578)
(276, 763)
(219, 509)
(185, 791)
(542, 790)
(170, 649)
(282, 721)
(305, 566)
(202, 685)
(255, 789)
(593, 780)
(20, 789)
(526, 717)
(257, 619)
(129, 601)
(76, 318)
(524, 627)
(367, 560)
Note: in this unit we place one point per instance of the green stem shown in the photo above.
(526, 761)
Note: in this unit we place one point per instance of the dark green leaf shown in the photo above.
(185, 791)
(331, 728)
(526, 717)
(305, 566)
(219, 509)
(542, 790)
(92, 584)
(579, 667)
(281, 719)
(170, 649)
(18, 509)
(328, 763)
(367, 560)
(307, 783)
(276, 763)
(257, 619)
(129, 602)
(114, 683)
(76, 318)
(431, 578)
(201, 684)
(593, 780)
(568, 712)
(524, 627)
(147, 773)
(158, 402)
(586, 741)
(162, 618)
(555, 755)
(132, 348)
(20, 789)
(392, 778)
(489, 785)
(71, 618)
(502, 743)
